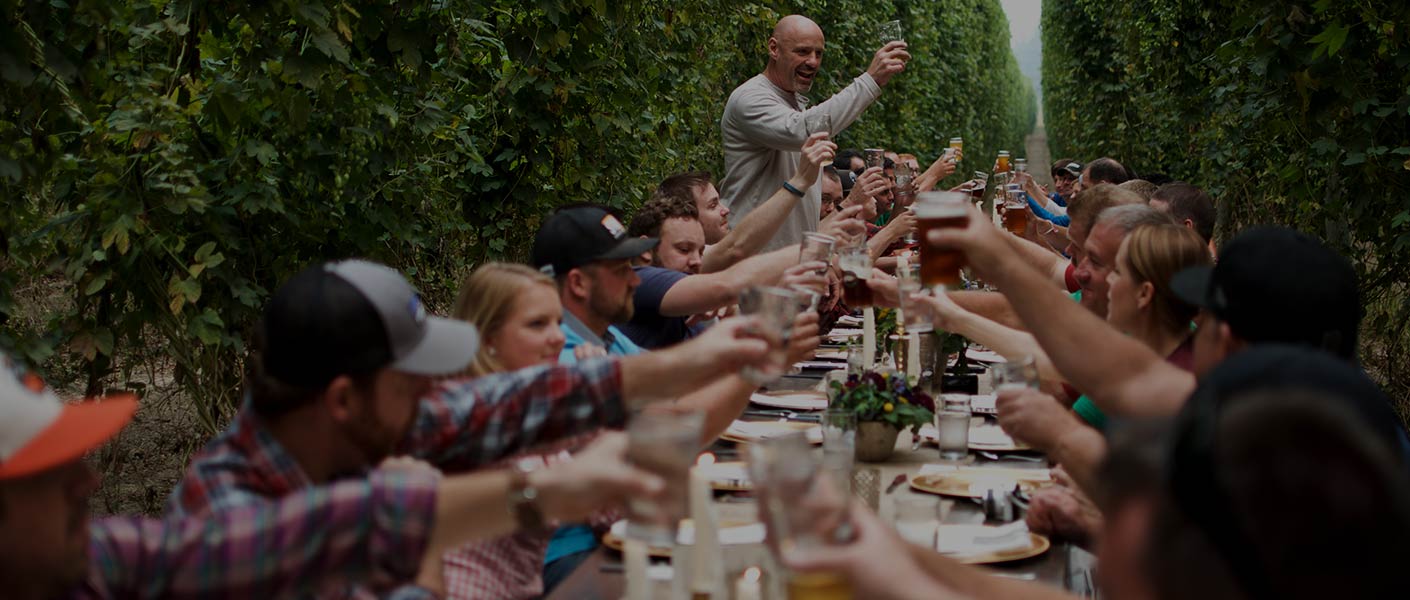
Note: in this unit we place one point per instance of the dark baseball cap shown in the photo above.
(356, 316)
(1274, 284)
(1075, 168)
(576, 236)
(848, 179)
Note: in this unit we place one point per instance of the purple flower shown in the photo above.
(875, 379)
(924, 399)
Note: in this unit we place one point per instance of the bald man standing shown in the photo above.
(763, 124)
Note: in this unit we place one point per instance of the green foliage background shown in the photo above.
(166, 163)
(1295, 113)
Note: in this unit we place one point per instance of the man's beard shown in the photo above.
(372, 439)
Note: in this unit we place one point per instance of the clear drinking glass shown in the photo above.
(664, 444)
(917, 315)
(855, 262)
(839, 428)
(940, 210)
(1020, 165)
(981, 179)
(798, 504)
(774, 308)
(817, 121)
(816, 247)
(1015, 374)
(918, 518)
(890, 31)
(875, 157)
(952, 426)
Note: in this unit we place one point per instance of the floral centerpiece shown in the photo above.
(885, 403)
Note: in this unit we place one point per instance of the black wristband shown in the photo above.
(792, 190)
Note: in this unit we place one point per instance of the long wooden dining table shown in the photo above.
(1064, 565)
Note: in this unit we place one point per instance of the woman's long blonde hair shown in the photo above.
(1154, 254)
(487, 298)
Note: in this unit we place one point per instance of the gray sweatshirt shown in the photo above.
(763, 131)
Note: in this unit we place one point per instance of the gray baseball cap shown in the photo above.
(356, 316)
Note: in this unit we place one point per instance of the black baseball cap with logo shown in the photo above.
(579, 235)
(1274, 284)
(356, 316)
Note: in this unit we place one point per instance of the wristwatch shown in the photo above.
(523, 501)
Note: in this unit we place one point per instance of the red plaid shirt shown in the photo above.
(463, 424)
(374, 529)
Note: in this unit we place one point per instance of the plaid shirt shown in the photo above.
(463, 424)
(374, 529)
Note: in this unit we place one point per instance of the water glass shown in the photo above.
(817, 121)
(839, 428)
(890, 31)
(952, 426)
(816, 247)
(774, 309)
(1015, 374)
(664, 444)
(917, 315)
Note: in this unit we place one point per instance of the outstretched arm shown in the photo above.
(758, 227)
(1121, 375)
(709, 291)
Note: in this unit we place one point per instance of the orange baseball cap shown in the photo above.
(38, 431)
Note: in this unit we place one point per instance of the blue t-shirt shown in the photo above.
(648, 327)
(572, 539)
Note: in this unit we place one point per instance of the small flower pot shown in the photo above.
(876, 441)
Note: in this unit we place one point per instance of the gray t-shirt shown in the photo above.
(763, 130)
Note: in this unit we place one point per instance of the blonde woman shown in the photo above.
(517, 311)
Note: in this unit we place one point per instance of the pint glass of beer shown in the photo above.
(940, 210)
(855, 262)
(1015, 210)
(957, 143)
(1003, 162)
(1020, 165)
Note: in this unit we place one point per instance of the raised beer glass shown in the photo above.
(774, 308)
(817, 247)
(1015, 210)
(875, 157)
(855, 262)
(940, 267)
(817, 121)
(890, 31)
(1003, 162)
(663, 444)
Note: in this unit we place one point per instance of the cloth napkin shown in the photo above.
(762, 430)
(989, 435)
(970, 540)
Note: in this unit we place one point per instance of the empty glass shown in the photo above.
(1015, 374)
(890, 31)
(875, 157)
(664, 444)
(817, 247)
(817, 121)
(952, 426)
(774, 308)
(798, 504)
